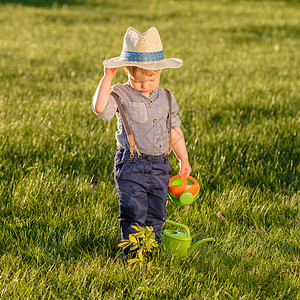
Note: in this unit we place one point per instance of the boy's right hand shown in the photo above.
(110, 72)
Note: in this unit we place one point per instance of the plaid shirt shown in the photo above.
(147, 117)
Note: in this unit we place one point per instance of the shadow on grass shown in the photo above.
(43, 3)
(59, 3)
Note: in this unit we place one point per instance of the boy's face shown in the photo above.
(144, 83)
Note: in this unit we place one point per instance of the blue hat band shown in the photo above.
(142, 56)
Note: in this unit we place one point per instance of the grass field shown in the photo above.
(239, 97)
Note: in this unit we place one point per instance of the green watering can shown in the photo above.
(175, 242)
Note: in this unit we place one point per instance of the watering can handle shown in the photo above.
(180, 225)
(184, 178)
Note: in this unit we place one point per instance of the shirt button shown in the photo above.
(155, 120)
(150, 102)
(158, 139)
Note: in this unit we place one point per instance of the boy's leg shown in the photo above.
(142, 185)
(157, 197)
(130, 184)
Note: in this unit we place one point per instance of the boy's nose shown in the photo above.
(144, 85)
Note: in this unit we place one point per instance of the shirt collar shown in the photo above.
(153, 95)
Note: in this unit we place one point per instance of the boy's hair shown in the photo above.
(133, 70)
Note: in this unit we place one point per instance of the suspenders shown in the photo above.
(129, 131)
(127, 127)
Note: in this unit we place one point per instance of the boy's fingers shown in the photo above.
(185, 170)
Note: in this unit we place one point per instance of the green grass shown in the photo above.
(238, 92)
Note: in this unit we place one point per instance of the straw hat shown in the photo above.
(142, 50)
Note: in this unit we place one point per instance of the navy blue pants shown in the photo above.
(142, 185)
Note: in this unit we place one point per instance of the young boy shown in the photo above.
(142, 174)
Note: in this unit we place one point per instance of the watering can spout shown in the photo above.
(193, 247)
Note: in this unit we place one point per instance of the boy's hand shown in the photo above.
(185, 168)
(110, 72)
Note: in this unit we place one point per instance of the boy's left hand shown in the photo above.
(185, 168)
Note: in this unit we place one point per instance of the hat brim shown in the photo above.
(117, 62)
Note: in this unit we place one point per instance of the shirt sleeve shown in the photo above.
(109, 110)
(175, 121)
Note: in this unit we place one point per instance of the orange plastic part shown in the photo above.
(182, 184)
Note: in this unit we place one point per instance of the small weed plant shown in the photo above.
(144, 242)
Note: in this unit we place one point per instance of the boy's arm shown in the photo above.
(179, 148)
(102, 93)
